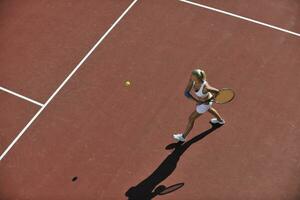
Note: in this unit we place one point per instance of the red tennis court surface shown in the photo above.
(117, 140)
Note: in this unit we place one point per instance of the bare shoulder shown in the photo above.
(211, 88)
(190, 84)
(207, 84)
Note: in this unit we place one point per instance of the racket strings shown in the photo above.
(225, 95)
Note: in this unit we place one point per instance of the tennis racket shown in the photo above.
(225, 95)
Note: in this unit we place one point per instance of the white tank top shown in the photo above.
(199, 93)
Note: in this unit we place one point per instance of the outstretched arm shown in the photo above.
(213, 90)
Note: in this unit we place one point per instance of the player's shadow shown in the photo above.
(148, 188)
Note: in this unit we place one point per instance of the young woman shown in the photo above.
(204, 94)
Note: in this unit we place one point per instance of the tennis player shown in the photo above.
(204, 94)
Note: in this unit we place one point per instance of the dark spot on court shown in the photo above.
(74, 178)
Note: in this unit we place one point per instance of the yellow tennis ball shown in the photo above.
(127, 83)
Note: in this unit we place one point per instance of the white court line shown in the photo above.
(241, 17)
(21, 96)
(65, 81)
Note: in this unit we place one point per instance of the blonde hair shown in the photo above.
(200, 74)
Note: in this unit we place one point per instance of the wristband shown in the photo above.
(187, 94)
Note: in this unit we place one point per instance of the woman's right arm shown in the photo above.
(188, 89)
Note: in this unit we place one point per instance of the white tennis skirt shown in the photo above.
(202, 108)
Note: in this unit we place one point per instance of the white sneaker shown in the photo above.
(179, 137)
(215, 121)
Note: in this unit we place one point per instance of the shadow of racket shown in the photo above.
(163, 190)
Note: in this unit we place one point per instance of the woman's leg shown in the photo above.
(215, 113)
(191, 122)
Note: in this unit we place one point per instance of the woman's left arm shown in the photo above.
(211, 89)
